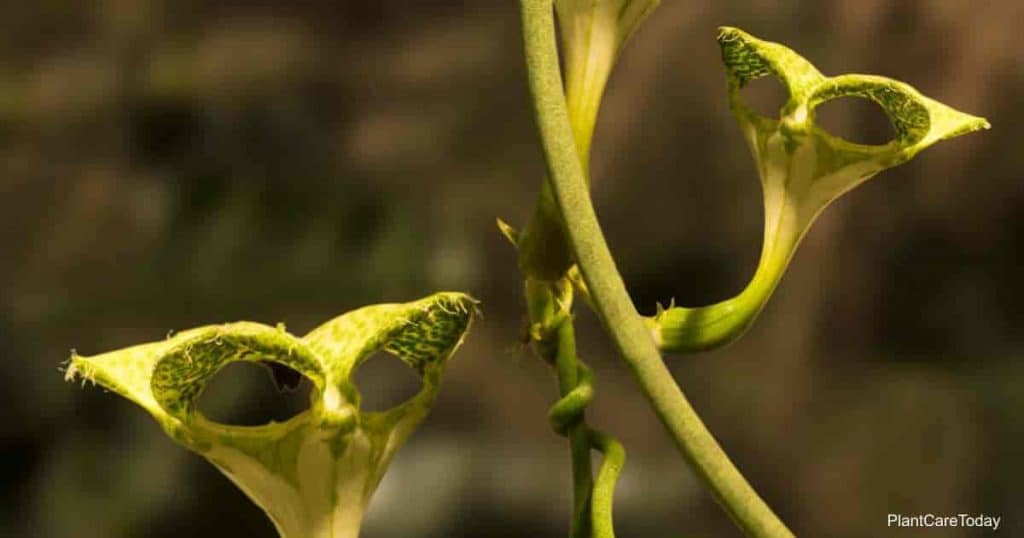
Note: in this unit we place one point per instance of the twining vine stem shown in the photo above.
(608, 291)
(567, 417)
(592, 517)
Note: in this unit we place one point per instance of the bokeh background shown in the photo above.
(166, 164)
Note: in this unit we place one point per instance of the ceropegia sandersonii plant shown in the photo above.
(315, 473)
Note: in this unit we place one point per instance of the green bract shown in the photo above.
(313, 474)
(802, 167)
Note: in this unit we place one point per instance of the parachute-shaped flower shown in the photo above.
(803, 168)
(314, 473)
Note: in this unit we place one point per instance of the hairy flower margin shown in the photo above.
(313, 474)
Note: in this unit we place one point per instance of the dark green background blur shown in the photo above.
(166, 164)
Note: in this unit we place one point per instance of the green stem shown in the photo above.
(568, 413)
(604, 486)
(551, 329)
(687, 330)
(608, 291)
(567, 366)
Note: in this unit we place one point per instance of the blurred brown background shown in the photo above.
(167, 164)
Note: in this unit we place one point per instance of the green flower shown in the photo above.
(593, 32)
(313, 474)
(803, 168)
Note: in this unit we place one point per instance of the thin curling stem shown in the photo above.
(603, 497)
(568, 410)
(566, 418)
(572, 424)
(608, 291)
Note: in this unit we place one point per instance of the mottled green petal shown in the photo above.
(424, 334)
(747, 58)
(917, 120)
(181, 373)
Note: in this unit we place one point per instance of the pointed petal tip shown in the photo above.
(977, 124)
(962, 125)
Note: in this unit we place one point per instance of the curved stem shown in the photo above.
(689, 329)
(549, 306)
(569, 378)
(567, 416)
(604, 486)
(608, 291)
